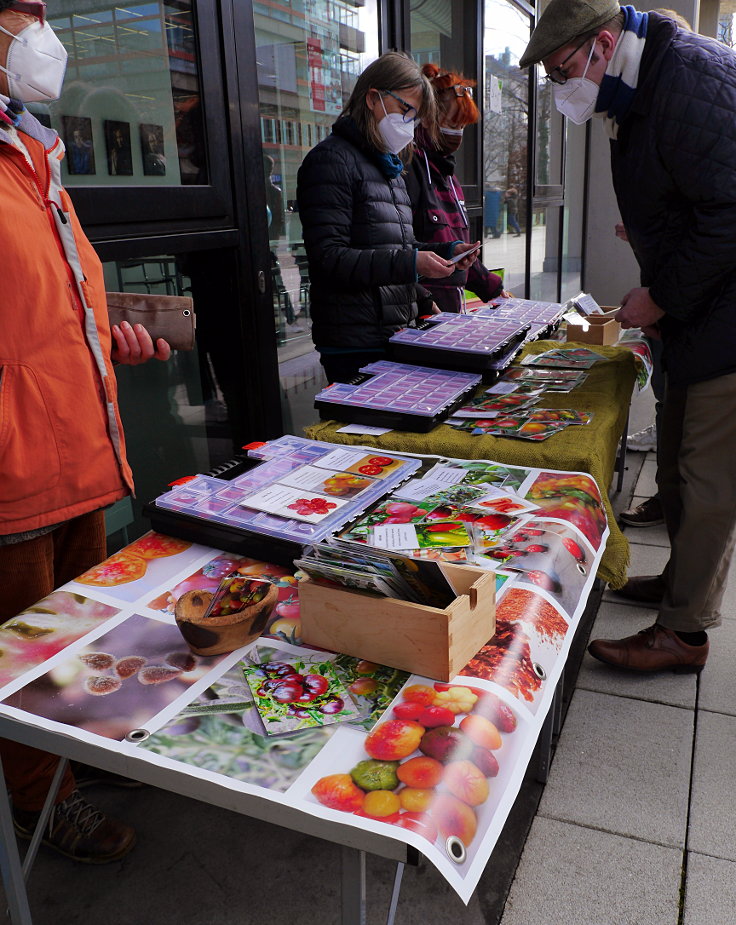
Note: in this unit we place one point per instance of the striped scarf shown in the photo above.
(10, 110)
(618, 86)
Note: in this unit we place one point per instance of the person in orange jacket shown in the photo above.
(62, 451)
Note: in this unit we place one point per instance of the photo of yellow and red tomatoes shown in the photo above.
(429, 766)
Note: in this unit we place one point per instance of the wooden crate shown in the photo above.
(428, 641)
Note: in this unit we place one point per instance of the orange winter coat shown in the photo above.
(61, 445)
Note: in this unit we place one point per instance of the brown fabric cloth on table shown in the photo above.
(585, 448)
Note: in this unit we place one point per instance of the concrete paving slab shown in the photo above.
(645, 560)
(623, 766)
(712, 808)
(710, 891)
(620, 499)
(570, 875)
(716, 681)
(196, 864)
(646, 485)
(615, 621)
(651, 536)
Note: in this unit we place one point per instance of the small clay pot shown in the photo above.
(216, 635)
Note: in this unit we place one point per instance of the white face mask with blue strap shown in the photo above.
(576, 98)
(35, 64)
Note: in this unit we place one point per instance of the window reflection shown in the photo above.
(130, 113)
(505, 132)
(308, 55)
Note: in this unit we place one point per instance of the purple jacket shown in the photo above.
(438, 208)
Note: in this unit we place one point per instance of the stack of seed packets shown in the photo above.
(528, 424)
(565, 357)
(552, 380)
(383, 571)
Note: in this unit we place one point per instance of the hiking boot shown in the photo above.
(647, 514)
(643, 440)
(79, 831)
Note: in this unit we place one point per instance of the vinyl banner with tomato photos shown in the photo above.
(435, 765)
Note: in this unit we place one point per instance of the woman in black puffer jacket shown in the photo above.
(364, 262)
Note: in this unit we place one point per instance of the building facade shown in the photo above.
(185, 123)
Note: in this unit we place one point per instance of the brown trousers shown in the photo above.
(697, 484)
(28, 572)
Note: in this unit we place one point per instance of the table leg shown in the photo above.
(44, 817)
(621, 461)
(353, 887)
(12, 873)
(395, 894)
(550, 729)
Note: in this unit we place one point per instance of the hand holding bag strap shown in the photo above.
(169, 316)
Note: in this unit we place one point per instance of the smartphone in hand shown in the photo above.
(458, 257)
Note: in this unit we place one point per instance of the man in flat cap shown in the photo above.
(667, 98)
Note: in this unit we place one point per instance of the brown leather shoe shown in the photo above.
(655, 648)
(644, 589)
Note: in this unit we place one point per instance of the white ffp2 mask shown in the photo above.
(396, 133)
(576, 98)
(36, 63)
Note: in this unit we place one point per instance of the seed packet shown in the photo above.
(534, 430)
(236, 592)
(559, 415)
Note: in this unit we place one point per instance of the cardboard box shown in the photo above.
(424, 640)
(603, 330)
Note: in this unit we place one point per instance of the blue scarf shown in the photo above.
(389, 164)
(618, 86)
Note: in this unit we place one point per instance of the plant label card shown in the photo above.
(560, 415)
(534, 430)
(447, 475)
(293, 504)
(393, 536)
(365, 429)
(419, 489)
(501, 388)
(375, 465)
(327, 482)
(298, 695)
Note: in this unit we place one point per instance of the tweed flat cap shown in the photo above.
(563, 21)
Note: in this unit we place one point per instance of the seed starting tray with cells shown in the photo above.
(396, 395)
(542, 316)
(464, 342)
(285, 475)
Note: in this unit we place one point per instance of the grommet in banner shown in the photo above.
(137, 735)
(581, 568)
(455, 849)
(186, 313)
(539, 671)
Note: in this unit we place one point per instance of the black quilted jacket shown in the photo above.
(674, 171)
(358, 235)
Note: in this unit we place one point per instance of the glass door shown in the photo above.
(308, 55)
(505, 138)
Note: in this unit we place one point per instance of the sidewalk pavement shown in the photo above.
(635, 825)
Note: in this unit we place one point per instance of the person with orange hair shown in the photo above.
(437, 199)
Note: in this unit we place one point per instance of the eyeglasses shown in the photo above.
(557, 75)
(408, 111)
(461, 91)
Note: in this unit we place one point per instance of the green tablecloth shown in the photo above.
(590, 448)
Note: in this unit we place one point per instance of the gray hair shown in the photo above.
(395, 71)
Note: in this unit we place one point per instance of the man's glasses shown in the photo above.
(408, 112)
(558, 75)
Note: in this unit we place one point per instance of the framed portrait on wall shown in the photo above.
(80, 149)
(119, 154)
(152, 149)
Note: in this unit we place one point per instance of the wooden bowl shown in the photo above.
(217, 635)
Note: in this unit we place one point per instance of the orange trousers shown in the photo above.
(28, 572)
